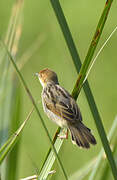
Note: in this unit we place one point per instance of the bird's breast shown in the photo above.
(56, 119)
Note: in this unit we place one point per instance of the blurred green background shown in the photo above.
(40, 27)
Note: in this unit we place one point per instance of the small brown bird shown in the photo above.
(60, 107)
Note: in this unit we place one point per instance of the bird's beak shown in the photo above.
(36, 74)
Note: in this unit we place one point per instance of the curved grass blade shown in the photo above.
(35, 106)
(99, 52)
(6, 148)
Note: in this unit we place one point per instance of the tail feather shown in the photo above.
(81, 135)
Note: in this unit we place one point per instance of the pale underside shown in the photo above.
(56, 119)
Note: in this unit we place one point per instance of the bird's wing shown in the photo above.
(60, 102)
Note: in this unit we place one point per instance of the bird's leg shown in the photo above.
(64, 136)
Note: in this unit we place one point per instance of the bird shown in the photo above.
(62, 109)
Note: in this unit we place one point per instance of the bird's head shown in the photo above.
(47, 75)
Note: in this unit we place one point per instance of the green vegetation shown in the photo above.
(32, 40)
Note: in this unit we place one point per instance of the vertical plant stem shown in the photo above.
(66, 32)
(100, 129)
(92, 48)
(67, 35)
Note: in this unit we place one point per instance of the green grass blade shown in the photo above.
(11, 170)
(8, 88)
(36, 108)
(66, 32)
(50, 158)
(88, 93)
(99, 52)
(49, 163)
(81, 173)
(99, 159)
(100, 129)
(6, 82)
(23, 59)
(106, 172)
(7, 147)
(2, 148)
(92, 48)
(95, 164)
(14, 25)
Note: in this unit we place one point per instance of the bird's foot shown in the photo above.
(64, 136)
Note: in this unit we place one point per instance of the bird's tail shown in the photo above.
(81, 135)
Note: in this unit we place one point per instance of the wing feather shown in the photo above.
(61, 103)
